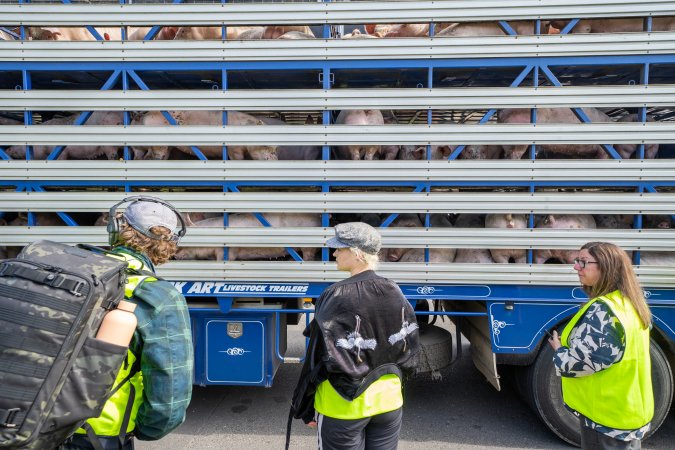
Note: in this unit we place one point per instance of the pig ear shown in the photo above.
(170, 32)
(309, 120)
(420, 152)
(188, 220)
(446, 150)
(260, 122)
(370, 28)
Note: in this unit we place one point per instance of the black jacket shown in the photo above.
(363, 328)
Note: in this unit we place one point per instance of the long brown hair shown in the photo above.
(159, 251)
(616, 273)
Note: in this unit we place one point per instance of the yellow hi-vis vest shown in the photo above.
(110, 422)
(382, 396)
(620, 396)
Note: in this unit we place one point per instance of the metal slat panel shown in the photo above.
(577, 45)
(645, 240)
(340, 202)
(501, 134)
(544, 274)
(329, 12)
(338, 170)
(338, 99)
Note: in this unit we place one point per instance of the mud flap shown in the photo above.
(477, 331)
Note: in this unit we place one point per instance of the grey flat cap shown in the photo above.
(356, 234)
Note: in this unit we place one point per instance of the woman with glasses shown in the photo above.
(603, 352)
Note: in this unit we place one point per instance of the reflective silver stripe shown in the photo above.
(319, 426)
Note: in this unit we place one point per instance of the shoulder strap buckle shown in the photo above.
(7, 417)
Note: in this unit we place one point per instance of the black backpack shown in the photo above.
(53, 373)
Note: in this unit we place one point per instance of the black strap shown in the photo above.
(289, 426)
(93, 438)
(41, 323)
(135, 368)
(42, 276)
(127, 416)
(40, 299)
(15, 341)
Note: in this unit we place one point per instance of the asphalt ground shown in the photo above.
(461, 411)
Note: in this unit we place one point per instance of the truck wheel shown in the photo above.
(544, 394)
(436, 349)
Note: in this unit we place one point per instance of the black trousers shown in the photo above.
(593, 440)
(81, 442)
(379, 432)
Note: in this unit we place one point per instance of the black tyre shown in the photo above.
(436, 349)
(544, 395)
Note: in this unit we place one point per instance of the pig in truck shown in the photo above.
(488, 238)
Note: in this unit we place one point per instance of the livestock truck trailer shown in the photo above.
(470, 132)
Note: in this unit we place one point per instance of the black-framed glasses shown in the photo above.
(582, 263)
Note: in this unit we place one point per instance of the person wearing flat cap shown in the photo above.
(154, 386)
(364, 342)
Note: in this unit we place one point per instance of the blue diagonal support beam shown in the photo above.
(65, 217)
(570, 26)
(141, 84)
(516, 82)
(265, 223)
(85, 115)
(579, 112)
(507, 28)
(388, 221)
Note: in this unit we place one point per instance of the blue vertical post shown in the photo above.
(226, 219)
(125, 87)
(27, 115)
(642, 112)
(325, 151)
(223, 84)
(430, 120)
(533, 111)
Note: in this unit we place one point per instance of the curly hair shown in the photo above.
(159, 251)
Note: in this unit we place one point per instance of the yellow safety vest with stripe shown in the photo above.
(110, 422)
(620, 396)
(382, 396)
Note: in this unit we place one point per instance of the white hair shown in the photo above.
(369, 259)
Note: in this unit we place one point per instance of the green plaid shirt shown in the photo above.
(163, 343)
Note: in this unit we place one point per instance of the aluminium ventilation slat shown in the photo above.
(645, 240)
(352, 202)
(339, 170)
(418, 273)
(325, 12)
(439, 48)
(509, 134)
(338, 99)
